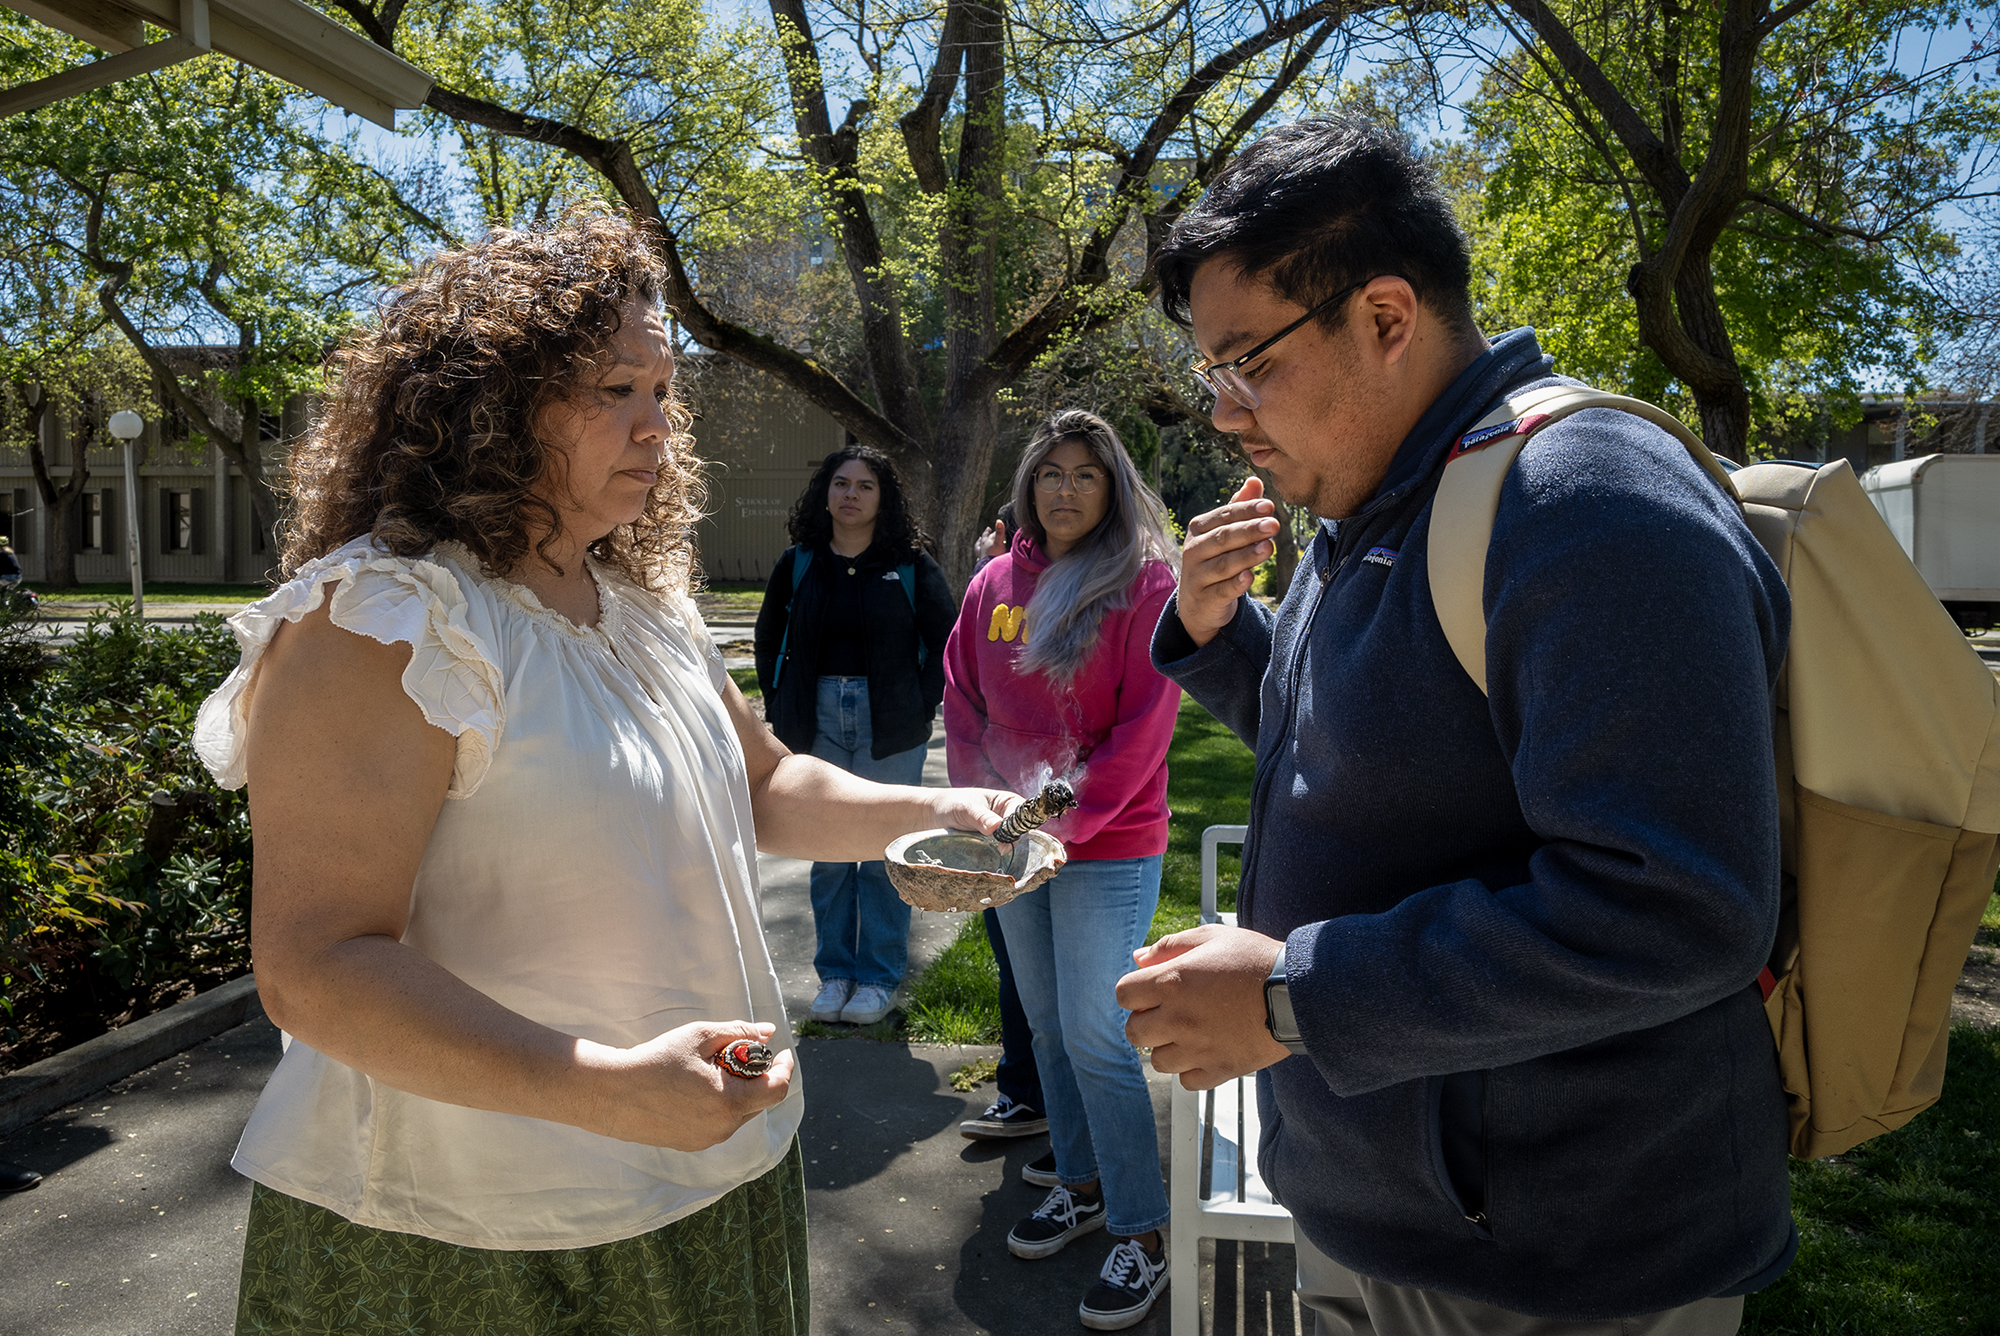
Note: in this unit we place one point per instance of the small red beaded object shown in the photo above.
(746, 1058)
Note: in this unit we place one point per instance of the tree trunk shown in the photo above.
(965, 445)
(59, 562)
(1287, 545)
(250, 458)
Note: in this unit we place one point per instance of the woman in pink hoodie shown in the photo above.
(1049, 675)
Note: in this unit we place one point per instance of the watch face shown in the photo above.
(1278, 1018)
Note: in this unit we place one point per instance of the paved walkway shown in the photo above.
(137, 1230)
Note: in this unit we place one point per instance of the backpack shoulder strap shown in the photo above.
(907, 573)
(1468, 497)
(802, 560)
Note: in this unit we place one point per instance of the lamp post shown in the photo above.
(126, 426)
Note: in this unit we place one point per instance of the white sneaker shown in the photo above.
(833, 995)
(870, 1003)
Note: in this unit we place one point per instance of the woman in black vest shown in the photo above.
(850, 656)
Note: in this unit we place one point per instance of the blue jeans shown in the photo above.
(1069, 942)
(861, 925)
(1016, 1075)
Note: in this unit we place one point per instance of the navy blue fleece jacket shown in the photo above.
(1522, 933)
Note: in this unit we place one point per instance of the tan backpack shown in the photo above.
(1887, 735)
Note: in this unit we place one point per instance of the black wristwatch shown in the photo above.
(1278, 1017)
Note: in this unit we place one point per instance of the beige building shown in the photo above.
(759, 442)
(196, 522)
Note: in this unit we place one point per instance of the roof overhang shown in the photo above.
(291, 40)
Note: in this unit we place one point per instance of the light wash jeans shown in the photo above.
(1070, 941)
(861, 925)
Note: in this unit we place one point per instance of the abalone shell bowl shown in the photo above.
(969, 874)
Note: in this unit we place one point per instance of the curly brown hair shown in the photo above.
(429, 431)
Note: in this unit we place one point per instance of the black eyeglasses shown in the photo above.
(1227, 377)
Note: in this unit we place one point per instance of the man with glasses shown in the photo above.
(1496, 962)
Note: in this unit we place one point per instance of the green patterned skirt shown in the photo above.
(736, 1268)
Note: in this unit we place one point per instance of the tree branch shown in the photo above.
(1032, 336)
(1810, 223)
(1648, 152)
(886, 350)
(922, 124)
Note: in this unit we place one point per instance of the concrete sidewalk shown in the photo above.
(137, 1229)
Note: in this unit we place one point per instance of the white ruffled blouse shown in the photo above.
(594, 870)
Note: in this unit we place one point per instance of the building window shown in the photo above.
(94, 521)
(180, 521)
(818, 251)
(20, 525)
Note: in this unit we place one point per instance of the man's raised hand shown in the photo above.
(1220, 559)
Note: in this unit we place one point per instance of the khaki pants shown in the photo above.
(1346, 1304)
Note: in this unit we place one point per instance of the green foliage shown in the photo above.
(26, 741)
(204, 202)
(974, 1074)
(1859, 141)
(118, 657)
(131, 868)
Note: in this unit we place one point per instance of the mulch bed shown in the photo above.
(49, 1019)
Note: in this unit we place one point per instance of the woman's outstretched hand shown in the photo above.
(973, 809)
(671, 1092)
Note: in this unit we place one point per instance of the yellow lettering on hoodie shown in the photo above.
(1006, 624)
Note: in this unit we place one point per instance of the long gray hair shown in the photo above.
(1097, 574)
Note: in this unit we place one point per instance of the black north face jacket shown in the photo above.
(903, 697)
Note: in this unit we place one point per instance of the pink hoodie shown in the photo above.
(1009, 729)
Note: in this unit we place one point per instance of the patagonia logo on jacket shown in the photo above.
(1380, 556)
(1007, 623)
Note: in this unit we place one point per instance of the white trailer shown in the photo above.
(1945, 511)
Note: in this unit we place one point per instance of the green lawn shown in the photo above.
(1899, 1235)
(163, 592)
(735, 598)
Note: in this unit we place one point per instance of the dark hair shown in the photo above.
(429, 431)
(811, 525)
(1320, 204)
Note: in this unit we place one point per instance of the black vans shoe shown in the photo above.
(1004, 1118)
(1041, 1173)
(1131, 1280)
(1060, 1218)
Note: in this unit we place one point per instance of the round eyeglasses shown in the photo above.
(1227, 377)
(1083, 481)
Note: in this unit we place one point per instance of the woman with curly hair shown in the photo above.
(506, 801)
(850, 655)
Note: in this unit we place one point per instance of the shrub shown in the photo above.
(126, 871)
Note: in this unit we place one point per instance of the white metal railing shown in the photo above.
(1214, 1190)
